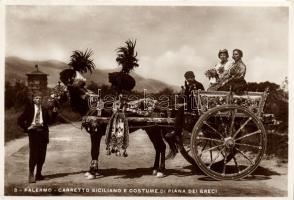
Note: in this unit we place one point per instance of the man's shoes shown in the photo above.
(32, 178)
(39, 177)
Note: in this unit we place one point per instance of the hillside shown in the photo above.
(16, 69)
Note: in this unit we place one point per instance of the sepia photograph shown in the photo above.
(170, 99)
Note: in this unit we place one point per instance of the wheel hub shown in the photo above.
(229, 142)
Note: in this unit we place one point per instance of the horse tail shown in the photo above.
(173, 149)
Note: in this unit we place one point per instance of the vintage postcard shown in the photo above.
(156, 99)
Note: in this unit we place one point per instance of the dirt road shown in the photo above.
(68, 159)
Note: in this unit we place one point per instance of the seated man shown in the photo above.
(190, 85)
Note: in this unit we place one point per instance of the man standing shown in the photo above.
(190, 85)
(34, 121)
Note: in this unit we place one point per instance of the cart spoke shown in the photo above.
(242, 126)
(252, 163)
(203, 148)
(209, 139)
(216, 157)
(233, 121)
(249, 145)
(248, 135)
(210, 152)
(222, 122)
(235, 161)
(218, 149)
(225, 162)
(212, 148)
(205, 122)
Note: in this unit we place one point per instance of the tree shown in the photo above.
(260, 87)
(16, 95)
(22, 94)
(166, 91)
(9, 95)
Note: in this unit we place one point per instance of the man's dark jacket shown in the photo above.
(26, 118)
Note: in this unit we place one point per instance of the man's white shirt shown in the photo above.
(35, 113)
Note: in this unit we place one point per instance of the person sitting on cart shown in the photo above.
(233, 78)
(217, 72)
(190, 85)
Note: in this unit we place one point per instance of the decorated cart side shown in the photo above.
(227, 141)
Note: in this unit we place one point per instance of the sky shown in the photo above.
(170, 39)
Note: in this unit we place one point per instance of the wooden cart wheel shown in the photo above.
(228, 142)
(184, 147)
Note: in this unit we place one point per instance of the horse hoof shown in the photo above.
(90, 177)
(154, 172)
(159, 175)
(87, 174)
(97, 175)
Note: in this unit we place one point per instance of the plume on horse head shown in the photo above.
(127, 58)
(80, 63)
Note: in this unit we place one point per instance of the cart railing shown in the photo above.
(207, 100)
(160, 120)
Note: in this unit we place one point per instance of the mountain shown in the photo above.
(16, 69)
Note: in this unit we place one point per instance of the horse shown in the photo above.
(78, 99)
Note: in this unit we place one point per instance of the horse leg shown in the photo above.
(156, 162)
(159, 145)
(161, 168)
(95, 148)
(152, 138)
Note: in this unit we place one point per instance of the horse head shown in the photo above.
(75, 94)
(121, 81)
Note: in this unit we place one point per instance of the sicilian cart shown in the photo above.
(226, 137)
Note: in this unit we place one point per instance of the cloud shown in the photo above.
(47, 13)
(171, 65)
(261, 69)
(170, 40)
